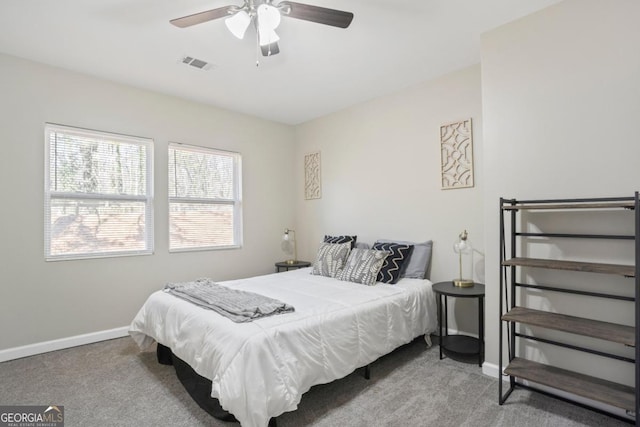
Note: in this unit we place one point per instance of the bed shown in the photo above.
(260, 369)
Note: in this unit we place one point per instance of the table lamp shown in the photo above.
(289, 245)
(462, 246)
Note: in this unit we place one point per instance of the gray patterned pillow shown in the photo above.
(363, 266)
(331, 258)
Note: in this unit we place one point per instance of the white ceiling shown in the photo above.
(391, 44)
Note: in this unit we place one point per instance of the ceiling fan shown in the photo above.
(265, 16)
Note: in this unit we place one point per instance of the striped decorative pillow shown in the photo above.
(392, 266)
(418, 265)
(341, 239)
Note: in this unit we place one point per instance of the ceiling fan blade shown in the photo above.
(199, 18)
(270, 49)
(320, 15)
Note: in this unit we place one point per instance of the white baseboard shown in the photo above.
(62, 343)
(491, 370)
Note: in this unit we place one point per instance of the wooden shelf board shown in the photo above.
(618, 395)
(591, 267)
(612, 332)
(577, 205)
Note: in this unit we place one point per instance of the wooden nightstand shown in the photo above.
(459, 344)
(286, 266)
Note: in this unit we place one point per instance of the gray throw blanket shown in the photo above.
(239, 306)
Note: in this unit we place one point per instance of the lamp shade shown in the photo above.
(268, 16)
(267, 36)
(462, 245)
(268, 20)
(238, 23)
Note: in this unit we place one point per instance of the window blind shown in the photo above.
(98, 194)
(205, 209)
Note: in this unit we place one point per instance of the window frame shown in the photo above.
(147, 199)
(236, 202)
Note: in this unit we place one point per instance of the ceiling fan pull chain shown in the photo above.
(257, 50)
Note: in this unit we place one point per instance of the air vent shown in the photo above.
(196, 63)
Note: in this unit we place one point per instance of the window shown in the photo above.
(205, 209)
(98, 194)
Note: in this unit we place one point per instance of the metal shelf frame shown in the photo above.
(509, 286)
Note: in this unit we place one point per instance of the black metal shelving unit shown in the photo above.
(519, 368)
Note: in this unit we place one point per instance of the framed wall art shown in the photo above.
(312, 183)
(456, 151)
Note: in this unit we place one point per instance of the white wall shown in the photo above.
(561, 101)
(381, 174)
(41, 301)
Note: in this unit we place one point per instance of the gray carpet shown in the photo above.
(113, 384)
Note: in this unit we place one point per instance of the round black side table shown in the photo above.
(286, 266)
(460, 344)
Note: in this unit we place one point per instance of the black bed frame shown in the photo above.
(199, 388)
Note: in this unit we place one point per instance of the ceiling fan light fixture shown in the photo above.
(265, 18)
(238, 23)
(267, 36)
(268, 16)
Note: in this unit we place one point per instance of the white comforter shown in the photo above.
(261, 369)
